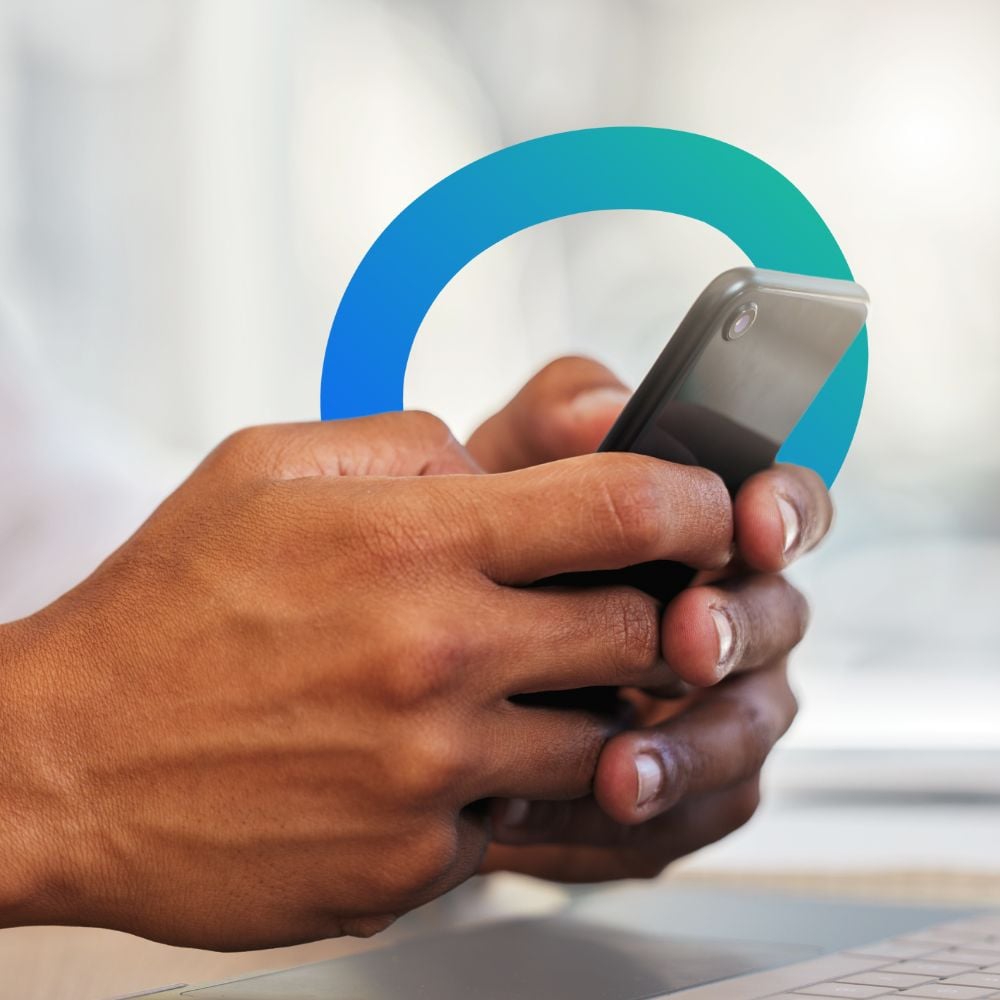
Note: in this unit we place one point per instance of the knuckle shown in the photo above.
(757, 734)
(411, 438)
(745, 801)
(568, 761)
(630, 504)
(633, 624)
(267, 450)
(790, 707)
(710, 485)
(782, 704)
(433, 432)
(437, 765)
(583, 767)
(568, 363)
(713, 506)
(682, 763)
(759, 730)
(429, 665)
(647, 864)
(427, 862)
(243, 447)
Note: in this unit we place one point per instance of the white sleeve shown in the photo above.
(70, 492)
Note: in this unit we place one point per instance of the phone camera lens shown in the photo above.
(742, 320)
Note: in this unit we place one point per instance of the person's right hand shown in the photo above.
(274, 714)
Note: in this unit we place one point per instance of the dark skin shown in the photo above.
(706, 747)
(287, 708)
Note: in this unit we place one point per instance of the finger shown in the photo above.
(720, 741)
(565, 410)
(559, 639)
(601, 849)
(732, 626)
(554, 862)
(542, 753)
(409, 443)
(583, 821)
(574, 821)
(601, 511)
(780, 513)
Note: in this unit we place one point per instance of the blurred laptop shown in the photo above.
(630, 943)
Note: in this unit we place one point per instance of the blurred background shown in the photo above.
(186, 188)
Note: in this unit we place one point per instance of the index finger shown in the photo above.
(601, 511)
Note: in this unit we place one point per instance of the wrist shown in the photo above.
(33, 780)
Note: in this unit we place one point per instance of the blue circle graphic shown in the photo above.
(569, 173)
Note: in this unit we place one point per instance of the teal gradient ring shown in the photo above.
(568, 173)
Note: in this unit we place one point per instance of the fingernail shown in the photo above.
(790, 520)
(649, 778)
(586, 404)
(724, 630)
(515, 812)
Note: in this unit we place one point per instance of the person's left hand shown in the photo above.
(686, 771)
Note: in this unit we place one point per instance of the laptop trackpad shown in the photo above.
(549, 958)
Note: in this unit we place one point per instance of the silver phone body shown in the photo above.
(728, 403)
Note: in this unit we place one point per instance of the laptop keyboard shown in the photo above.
(955, 961)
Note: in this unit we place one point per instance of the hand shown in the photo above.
(275, 713)
(565, 410)
(686, 773)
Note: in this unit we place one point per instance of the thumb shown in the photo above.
(565, 410)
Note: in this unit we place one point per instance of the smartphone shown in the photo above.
(745, 363)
